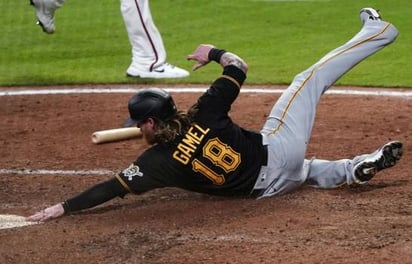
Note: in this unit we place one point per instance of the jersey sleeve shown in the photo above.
(215, 103)
(151, 170)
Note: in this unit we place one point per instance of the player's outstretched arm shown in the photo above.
(54, 211)
(92, 197)
(205, 53)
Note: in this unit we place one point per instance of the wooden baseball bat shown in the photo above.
(116, 134)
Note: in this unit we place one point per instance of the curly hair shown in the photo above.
(165, 132)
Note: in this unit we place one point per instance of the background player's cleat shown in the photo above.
(383, 158)
(369, 13)
(45, 13)
(165, 71)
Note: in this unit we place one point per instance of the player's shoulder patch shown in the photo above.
(132, 171)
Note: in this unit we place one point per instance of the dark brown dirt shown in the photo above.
(369, 224)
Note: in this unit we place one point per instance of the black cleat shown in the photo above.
(369, 13)
(383, 158)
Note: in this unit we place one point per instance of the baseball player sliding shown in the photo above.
(202, 150)
(148, 51)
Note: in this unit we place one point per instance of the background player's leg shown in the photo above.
(45, 10)
(148, 50)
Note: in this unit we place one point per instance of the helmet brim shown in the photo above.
(128, 122)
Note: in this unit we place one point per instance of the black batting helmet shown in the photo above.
(152, 102)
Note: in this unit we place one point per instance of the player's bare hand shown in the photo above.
(200, 55)
(54, 211)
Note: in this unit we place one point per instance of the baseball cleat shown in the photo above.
(383, 158)
(165, 71)
(369, 13)
(45, 13)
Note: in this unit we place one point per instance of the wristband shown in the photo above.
(65, 207)
(216, 54)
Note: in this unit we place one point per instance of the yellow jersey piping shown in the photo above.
(232, 79)
(123, 183)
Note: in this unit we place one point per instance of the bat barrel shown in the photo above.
(116, 134)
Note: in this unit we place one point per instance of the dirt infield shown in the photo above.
(369, 224)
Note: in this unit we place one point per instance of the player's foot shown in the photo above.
(369, 13)
(165, 71)
(45, 13)
(383, 158)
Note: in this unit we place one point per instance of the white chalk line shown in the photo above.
(8, 221)
(233, 238)
(335, 91)
(19, 92)
(55, 172)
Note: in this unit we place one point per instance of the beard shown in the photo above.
(149, 138)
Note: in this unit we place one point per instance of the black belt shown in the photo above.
(265, 155)
(257, 192)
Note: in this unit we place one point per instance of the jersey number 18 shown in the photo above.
(221, 155)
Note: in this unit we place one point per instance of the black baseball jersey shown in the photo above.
(215, 156)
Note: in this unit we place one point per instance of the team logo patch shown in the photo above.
(132, 171)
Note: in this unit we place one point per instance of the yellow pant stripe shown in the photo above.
(311, 74)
